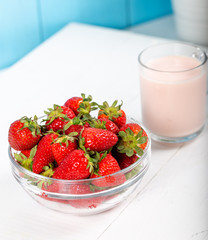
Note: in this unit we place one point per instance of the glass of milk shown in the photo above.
(173, 79)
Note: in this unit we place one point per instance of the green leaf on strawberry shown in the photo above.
(128, 142)
(113, 112)
(25, 161)
(48, 171)
(31, 124)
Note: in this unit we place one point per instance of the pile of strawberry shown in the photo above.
(72, 144)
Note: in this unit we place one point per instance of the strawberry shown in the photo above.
(113, 112)
(74, 128)
(26, 152)
(62, 146)
(75, 125)
(25, 158)
(24, 134)
(49, 185)
(83, 202)
(44, 154)
(131, 142)
(81, 105)
(76, 165)
(86, 124)
(105, 123)
(96, 139)
(74, 103)
(58, 117)
(107, 166)
(52, 187)
(123, 160)
(136, 128)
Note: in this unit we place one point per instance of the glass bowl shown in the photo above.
(87, 196)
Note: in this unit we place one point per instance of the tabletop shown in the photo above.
(171, 201)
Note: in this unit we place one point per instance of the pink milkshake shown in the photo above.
(173, 94)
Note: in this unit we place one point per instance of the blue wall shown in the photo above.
(24, 24)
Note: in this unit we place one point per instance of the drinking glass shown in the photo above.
(173, 83)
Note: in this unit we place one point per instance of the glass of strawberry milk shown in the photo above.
(173, 79)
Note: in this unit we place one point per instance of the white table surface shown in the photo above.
(171, 202)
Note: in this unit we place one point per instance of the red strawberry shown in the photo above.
(26, 152)
(136, 128)
(25, 158)
(74, 128)
(106, 166)
(97, 139)
(44, 154)
(62, 146)
(81, 105)
(24, 134)
(58, 117)
(74, 103)
(86, 124)
(75, 125)
(130, 142)
(105, 123)
(84, 202)
(124, 161)
(114, 113)
(53, 187)
(74, 166)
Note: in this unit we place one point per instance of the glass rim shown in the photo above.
(173, 43)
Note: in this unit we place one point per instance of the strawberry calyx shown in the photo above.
(48, 170)
(74, 121)
(98, 157)
(81, 144)
(129, 143)
(87, 118)
(96, 123)
(25, 161)
(110, 111)
(31, 124)
(54, 113)
(93, 161)
(44, 184)
(86, 106)
(65, 138)
(94, 188)
(133, 172)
